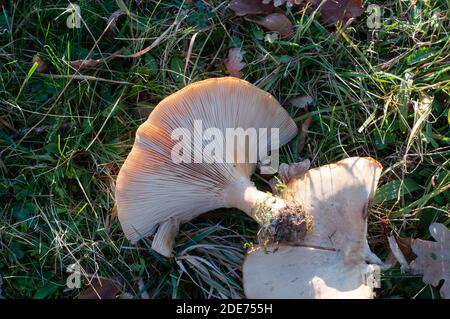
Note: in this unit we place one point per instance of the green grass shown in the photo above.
(63, 140)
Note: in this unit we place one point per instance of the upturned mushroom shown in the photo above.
(155, 192)
(334, 259)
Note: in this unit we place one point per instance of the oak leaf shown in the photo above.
(250, 7)
(102, 289)
(433, 258)
(333, 11)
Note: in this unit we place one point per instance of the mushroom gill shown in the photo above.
(154, 191)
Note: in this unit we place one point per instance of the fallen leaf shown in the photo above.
(302, 101)
(276, 22)
(102, 289)
(397, 253)
(234, 62)
(404, 244)
(287, 172)
(42, 66)
(433, 258)
(250, 7)
(80, 64)
(333, 11)
(89, 63)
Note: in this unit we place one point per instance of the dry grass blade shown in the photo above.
(85, 78)
(189, 52)
(213, 262)
(155, 43)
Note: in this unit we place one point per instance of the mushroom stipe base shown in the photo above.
(289, 226)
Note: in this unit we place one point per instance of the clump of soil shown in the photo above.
(289, 226)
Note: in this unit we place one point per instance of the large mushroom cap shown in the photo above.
(296, 272)
(331, 261)
(152, 189)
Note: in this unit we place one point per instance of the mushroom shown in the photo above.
(334, 259)
(155, 192)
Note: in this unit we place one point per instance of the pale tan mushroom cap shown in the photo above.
(150, 188)
(331, 261)
(338, 196)
(296, 272)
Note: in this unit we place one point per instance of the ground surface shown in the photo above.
(383, 94)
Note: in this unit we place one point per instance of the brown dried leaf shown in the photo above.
(250, 7)
(302, 101)
(333, 11)
(404, 244)
(234, 62)
(42, 66)
(102, 289)
(433, 258)
(276, 22)
(81, 64)
(397, 254)
(88, 63)
(287, 172)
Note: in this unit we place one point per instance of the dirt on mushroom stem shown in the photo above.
(288, 225)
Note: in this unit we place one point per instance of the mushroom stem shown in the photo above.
(243, 194)
(164, 239)
(282, 220)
